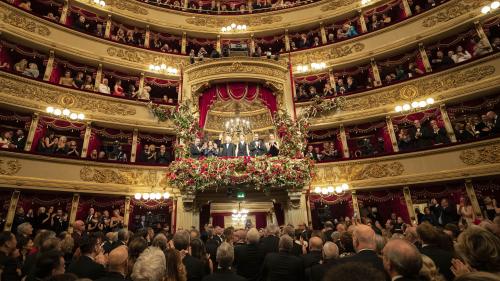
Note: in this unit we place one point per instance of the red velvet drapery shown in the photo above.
(238, 92)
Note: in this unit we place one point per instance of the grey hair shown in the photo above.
(273, 229)
(23, 227)
(286, 243)
(225, 255)
(330, 250)
(160, 241)
(380, 241)
(335, 236)
(253, 236)
(150, 266)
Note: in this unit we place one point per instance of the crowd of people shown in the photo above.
(224, 146)
(422, 135)
(475, 127)
(445, 244)
(9, 140)
(58, 145)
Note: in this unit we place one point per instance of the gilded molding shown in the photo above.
(327, 53)
(218, 22)
(16, 19)
(489, 155)
(335, 4)
(357, 171)
(235, 67)
(12, 167)
(131, 55)
(146, 178)
(42, 93)
(452, 12)
(423, 87)
(127, 6)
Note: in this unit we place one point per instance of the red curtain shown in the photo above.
(235, 91)
(387, 202)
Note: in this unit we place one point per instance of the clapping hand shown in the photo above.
(459, 268)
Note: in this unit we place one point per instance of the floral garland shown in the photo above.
(160, 112)
(260, 172)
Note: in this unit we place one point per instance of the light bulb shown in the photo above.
(157, 68)
(330, 189)
(414, 104)
(166, 195)
(324, 191)
(406, 107)
(57, 112)
(238, 27)
(317, 189)
(485, 9)
(73, 116)
(50, 109)
(223, 29)
(163, 66)
(338, 189)
(151, 67)
(422, 103)
(228, 28)
(66, 112)
(345, 186)
(233, 25)
(137, 196)
(96, 1)
(244, 27)
(145, 196)
(81, 116)
(430, 101)
(102, 3)
(398, 108)
(495, 4)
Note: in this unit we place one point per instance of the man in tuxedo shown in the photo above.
(330, 256)
(195, 149)
(85, 266)
(247, 257)
(228, 148)
(270, 243)
(19, 140)
(402, 261)
(314, 255)
(117, 265)
(493, 118)
(90, 216)
(483, 127)
(194, 267)
(328, 230)
(420, 135)
(122, 240)
(257, 146)
(242, 147)
(429, 236)
(272, 146)
(282, 265)
(439, 135)
(447, 213)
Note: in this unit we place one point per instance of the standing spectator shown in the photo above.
(282, 265)
(194, 267)
(270, 243)
(225, 258)
(247, 257)
(117, 265)
(8, 256)
(402, 261)
(86, 266)
(150, 266)
(430, 247)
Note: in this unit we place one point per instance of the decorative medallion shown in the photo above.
(487, 155)
(408, 92)
(336, 4)
(326, 53)
(218, 22)
(454, 11)
(148, 178)
(12, 167)
(235, 67)
(127, 6)
(20, 21)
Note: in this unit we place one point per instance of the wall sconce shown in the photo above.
(152, 196)
(234, 28)
(100, 3)
(65, 113)
(493, 6)
(415, 105)
(163, 68)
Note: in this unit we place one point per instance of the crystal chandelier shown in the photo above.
(239, 216)
(237, 125)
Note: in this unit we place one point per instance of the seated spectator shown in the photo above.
(118, 89)
(440, 136)
(461, 55)
(120, 36)
(52, 17)
(121, 155)
(312, 91)
(88, 85)
(404, 140)
(192, 56)
(103, 87)
(101, 155)
(351, 86)
(496, 44)
(479, 48)
(21, 65)
(73, 149)
(6, 139)
(202, 53)
(316, 42)
(93, 154)
(61, 147)
(78, 82)
(82, 25)
(32, 71)
(25, 5)
(386, 20)
(462, 134)
(340, 87)
(67, 80)
(293, 47)
(375, 23)
(165, 48)
(350, 30)
(413, 70)
(331, 37)
(327, 90)
(441, 62)
(341, 34)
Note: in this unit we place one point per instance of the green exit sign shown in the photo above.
(240, 195)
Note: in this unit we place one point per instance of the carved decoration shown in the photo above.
(355, 172)
(64, 98)
(145, 57)
(420, 88)
(489, 155)
(258, 121)
(18, 20)
(217, 22)
(335, 4)
(235, 67)
(455, 10)
(327, 53)
(12, 167)
(127, 6)
(147, 178)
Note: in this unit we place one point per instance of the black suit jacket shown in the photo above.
(441, 258)
(247, 258)
(311, 258)
(85, 267)
(441, 136)
(228, 150)
(257, 148)
(195, 151)
(447, 215)
(20, 142)
(496, 126)
(113, 276)
(366, 256)
(195, 268)
(224, 275)
(282, 266)
(269, 244)
(424, 140)
(317, 272)
(242, 149)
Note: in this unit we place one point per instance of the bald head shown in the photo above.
(330, 251)
(117, 260)
(411, 234)
(401, 258)
(79, 225)
(315, 244)
(363, 237)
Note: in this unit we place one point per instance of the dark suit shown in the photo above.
(440, 136)
(246, 259)
(195, 151)
(85, 267)
(447, 215)
(424, 139)
(228, 150)
(441, 258)
(257, 148)
(269, 244)
(211, 247)
(19, 142)
(113, 276)
(224, 275)
(366, 256)
(282, 266)
(311, 258)
(317, 272)
(496, 126)
(242, 149)
(194, 267)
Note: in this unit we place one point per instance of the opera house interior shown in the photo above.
(190, 140)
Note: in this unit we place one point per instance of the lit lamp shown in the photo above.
(65, 113)
(152, 196)
(332, 190)
(415, 105)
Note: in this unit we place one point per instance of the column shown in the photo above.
(482, 35)
(472, 197)
(126, 214)
(362, 22)
(185, 4)
(74, 210)
(409, 205)
(425, 58)
(447, 123)
(31, 133)
(343, 140)
(147, 37)
(287, 41)
(50, 66)
(250, 6)
(173, 216)
(376, 73)
(309, 215)
(392, 134)
(331, 77)
(141, 83)
(86, 140)
(252, 45)
(355, 205)
(322, 31)
(218, 45)
(98, 78)
(12, 210)
(187, 215)
(296, 211)
(133, 151)
(183, 43)
(64, 13)
(406, 8)
(107, 32)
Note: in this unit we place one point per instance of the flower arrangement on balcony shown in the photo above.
(262, 173)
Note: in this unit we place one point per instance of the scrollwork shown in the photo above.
(327, 53)
(355, 172)
(452, 12)
(145, 57)
(217, 22)
(126, 5)
(12, 167)
(148, 178)
(235, 67)
(336, 4)
(18, 20)
(488, 155)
